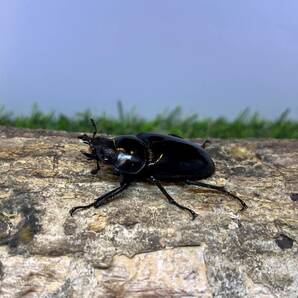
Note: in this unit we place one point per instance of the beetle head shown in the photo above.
(128, 154)
(100, 148)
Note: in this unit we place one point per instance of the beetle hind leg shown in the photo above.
(206, 143)
(219, 189)
(170, 199)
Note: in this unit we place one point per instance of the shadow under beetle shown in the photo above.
(154, 157)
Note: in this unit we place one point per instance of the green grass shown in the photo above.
(246, 125)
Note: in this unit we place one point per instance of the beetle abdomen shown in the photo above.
(177, 158)
(196, 169)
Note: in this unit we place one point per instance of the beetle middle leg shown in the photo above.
(170, 199)
(102, 200)
(220, 189)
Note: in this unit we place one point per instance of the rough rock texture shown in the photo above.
(139, 245)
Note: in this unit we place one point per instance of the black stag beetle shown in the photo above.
(154, 157)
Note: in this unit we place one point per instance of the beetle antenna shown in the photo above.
(94, 127)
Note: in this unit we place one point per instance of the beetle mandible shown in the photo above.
(154, 157)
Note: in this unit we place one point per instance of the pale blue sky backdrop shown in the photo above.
(210, 57)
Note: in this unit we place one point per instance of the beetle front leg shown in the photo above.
(102, 200)
(96, 170)
(170, 199)
(220, 189)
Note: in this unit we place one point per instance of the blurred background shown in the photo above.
(195, 68)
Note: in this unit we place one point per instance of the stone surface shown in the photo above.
(138, 245)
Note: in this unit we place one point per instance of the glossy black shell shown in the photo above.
(131, 157)
(165, 157)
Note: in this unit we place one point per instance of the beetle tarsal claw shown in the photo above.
(75, 209)
(206, 143)
(243, 207)
(94, 171)
(194, 215)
